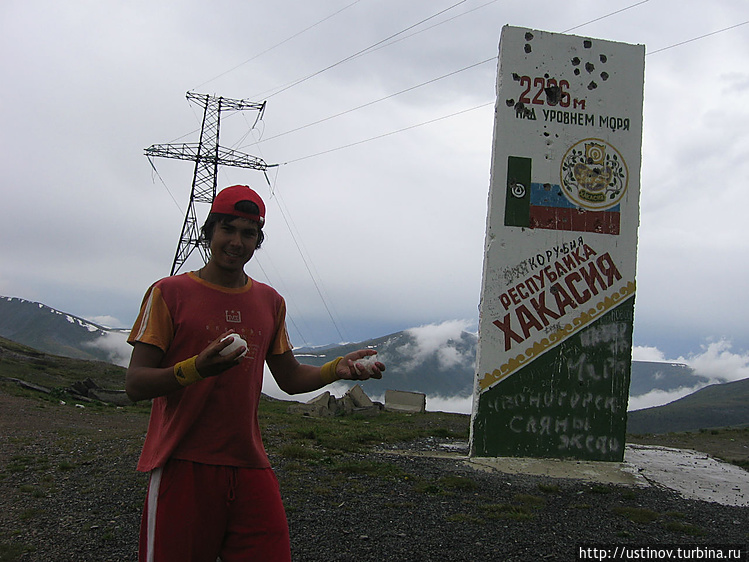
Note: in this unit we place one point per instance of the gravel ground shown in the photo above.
(69, 492)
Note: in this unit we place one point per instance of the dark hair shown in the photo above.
(213, 219)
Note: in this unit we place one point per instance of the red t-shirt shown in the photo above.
(213, 421)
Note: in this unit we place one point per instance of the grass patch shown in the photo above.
(637, 514)
(33, 491)
(11, 552)
(322, 490)
(530, 500)
(354, 434)
(464, 518)
(339, 443)
(296, 466)
(507, 511)
(29, 514)
(523, 508)
(307, 434)
(684, 528)
(549, 488)
(672, 521)
(457, 483)
(728, 444)
(447, 433)
(427, 487)
(22, 463)
(298, 451)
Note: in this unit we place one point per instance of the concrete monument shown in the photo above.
(555, 329)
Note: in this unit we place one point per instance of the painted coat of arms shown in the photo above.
(594, 175)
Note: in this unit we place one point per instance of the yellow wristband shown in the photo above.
(327, 371)
(186, 372)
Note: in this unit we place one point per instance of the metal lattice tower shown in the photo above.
(207, 155)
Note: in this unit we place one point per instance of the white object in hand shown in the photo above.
(236, 343)
(365, 364)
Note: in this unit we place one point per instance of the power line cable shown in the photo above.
(376, 46)
(357, 54)
(448, 20)
(325, 294)
(308, 263)
(258, 258)
(698, 38)
(378, 100)
(290, 317)
(366, 51)
(606, 16)
(309, 271)
(383, 44)
(150, 160)
(387, 134)
(294, 36)
(488, 103)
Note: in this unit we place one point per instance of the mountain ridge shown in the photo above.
(49, 330)
(417, 360)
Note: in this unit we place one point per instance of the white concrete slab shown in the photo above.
(592, 471)
(694, 475)
(691, 474)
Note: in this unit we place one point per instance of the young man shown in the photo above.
(212, 493)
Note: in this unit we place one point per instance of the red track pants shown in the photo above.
(200, 513)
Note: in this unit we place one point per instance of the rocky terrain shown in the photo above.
(69, 492)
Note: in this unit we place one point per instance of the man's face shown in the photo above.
(233, 243)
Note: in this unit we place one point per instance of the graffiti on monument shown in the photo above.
(557, 304)
(570, 401)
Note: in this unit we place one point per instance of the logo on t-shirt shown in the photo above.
(234, 316)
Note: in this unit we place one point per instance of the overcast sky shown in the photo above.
(376, 214)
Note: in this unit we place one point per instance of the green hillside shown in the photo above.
(46, 329)
(53, 371)
(717, 405)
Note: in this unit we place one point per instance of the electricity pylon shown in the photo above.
(207, 155)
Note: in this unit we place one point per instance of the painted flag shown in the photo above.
(518, 197)
(550, 209)
(545, 206)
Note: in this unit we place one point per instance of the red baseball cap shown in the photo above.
(227, 198)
